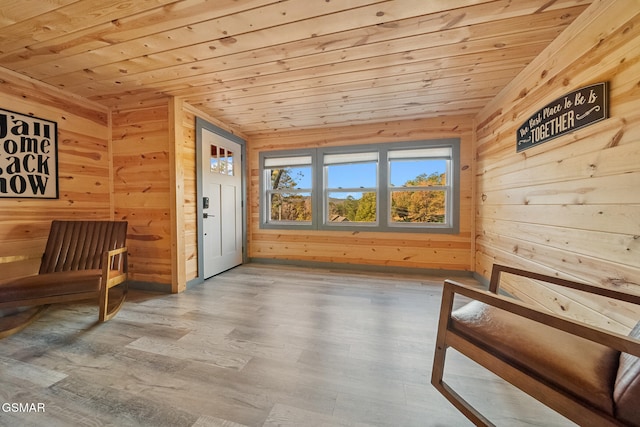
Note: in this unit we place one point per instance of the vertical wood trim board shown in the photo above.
(190, 211)
(178, 279)
(110, 159)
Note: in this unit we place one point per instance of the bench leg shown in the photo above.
(462, 405)
(113, 259)
(439, 358)
(13, 323)
(109, 309)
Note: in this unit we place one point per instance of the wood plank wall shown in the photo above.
(83, 165)
(570, 206)
(142, 146)
(407, 250)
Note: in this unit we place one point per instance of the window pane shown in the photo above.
(215, 162)
(222, 165)
(351, 207)
(420, 172)
(355, 175)
(418, 206)
(230, 163)
(290, 207)
(291, 178)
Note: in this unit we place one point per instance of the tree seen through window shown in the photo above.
(423, 206)
(291, 200)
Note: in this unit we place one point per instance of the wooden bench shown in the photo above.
(588, 374)
(82, 260)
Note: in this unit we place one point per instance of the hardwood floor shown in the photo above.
(259, 345)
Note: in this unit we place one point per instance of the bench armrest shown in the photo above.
(115, 267)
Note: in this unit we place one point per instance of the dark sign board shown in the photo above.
(573, 111)
(28, 156)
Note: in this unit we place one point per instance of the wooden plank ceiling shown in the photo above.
(264, 65)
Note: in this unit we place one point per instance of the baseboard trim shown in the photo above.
(362, 267)
(150, 286)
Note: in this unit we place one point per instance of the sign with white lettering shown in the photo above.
(28, 156)
(573, 111)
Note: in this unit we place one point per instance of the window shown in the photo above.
(402, 187)
(288, 189)
(419, 188)
(351, 187)
(221, 160)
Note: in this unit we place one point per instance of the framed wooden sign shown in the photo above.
(575, 110)
(28, 156)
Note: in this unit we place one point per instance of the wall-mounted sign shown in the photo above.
(28, 156)
(573, 111)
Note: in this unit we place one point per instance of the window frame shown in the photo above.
(448, 187)
(384, 223)
(265, 204)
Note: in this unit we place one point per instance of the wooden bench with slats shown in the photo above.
(82, 260)
(588, 374)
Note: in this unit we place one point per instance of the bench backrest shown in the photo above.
(79, 245)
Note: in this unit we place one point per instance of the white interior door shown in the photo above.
(222, 203)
